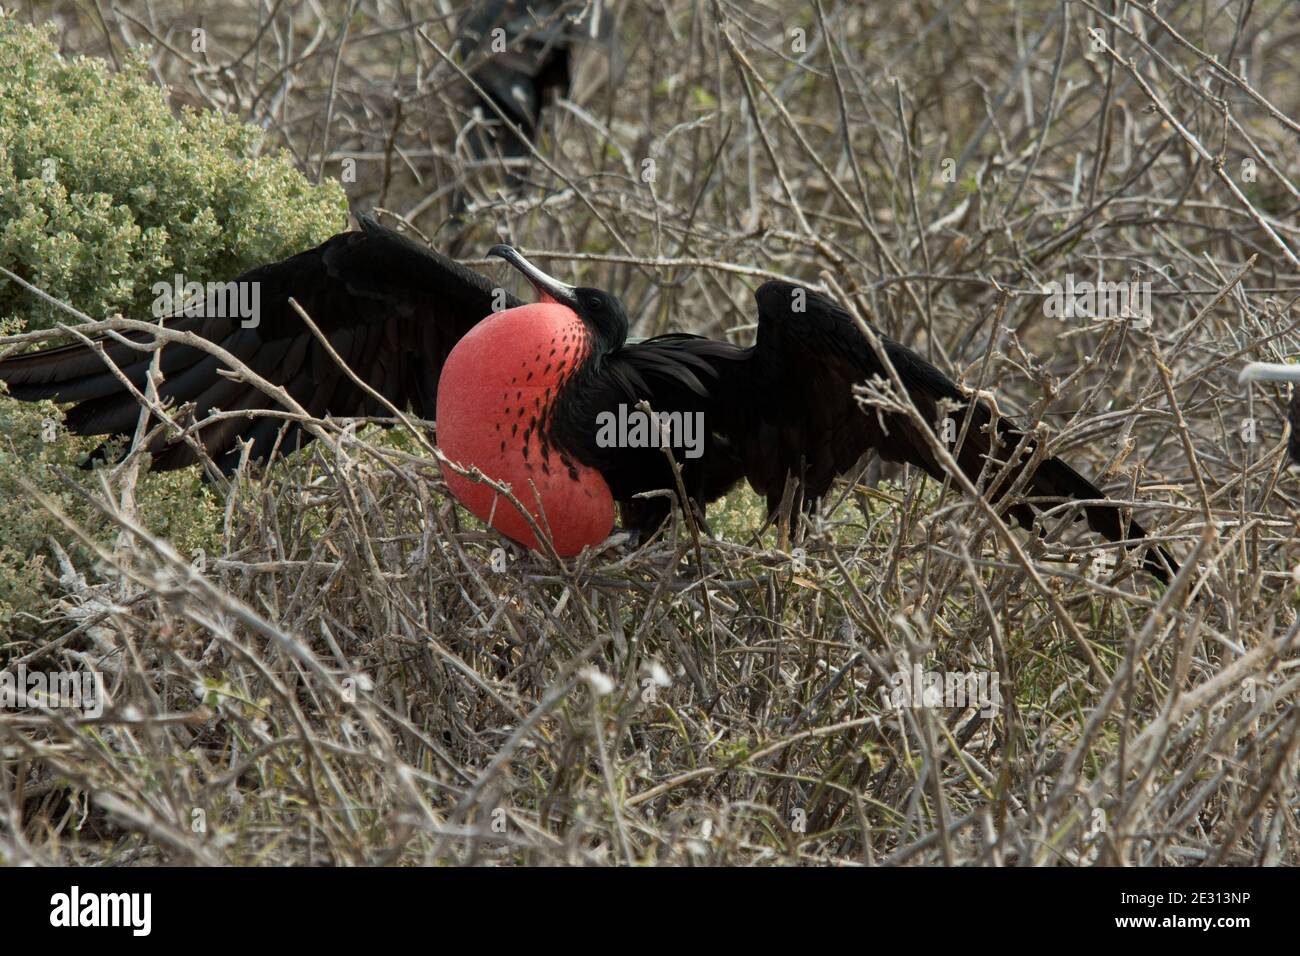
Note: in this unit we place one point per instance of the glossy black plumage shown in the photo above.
(801, 409)
(785, 407)
(393, 310)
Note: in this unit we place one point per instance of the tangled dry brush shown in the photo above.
(359, 674)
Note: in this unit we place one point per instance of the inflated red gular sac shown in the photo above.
(520, 393)
(521, 398)
(496, 411)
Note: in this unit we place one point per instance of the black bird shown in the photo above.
(528, 394)
(519, 51)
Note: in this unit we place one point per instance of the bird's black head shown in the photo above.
(601, 312)
(604, 315)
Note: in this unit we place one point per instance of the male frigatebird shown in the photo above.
(519, 392)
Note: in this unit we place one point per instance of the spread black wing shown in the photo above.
(390, 308)
(786, 407)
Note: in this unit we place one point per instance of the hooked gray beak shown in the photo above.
(548, 287)
(1269, 372)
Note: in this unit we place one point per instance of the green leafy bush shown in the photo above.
(105, 191)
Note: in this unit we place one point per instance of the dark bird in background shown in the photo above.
(519, 392)
(519, 54)
(1271, 372)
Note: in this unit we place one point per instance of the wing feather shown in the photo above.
(788, 408)
(391, 308)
